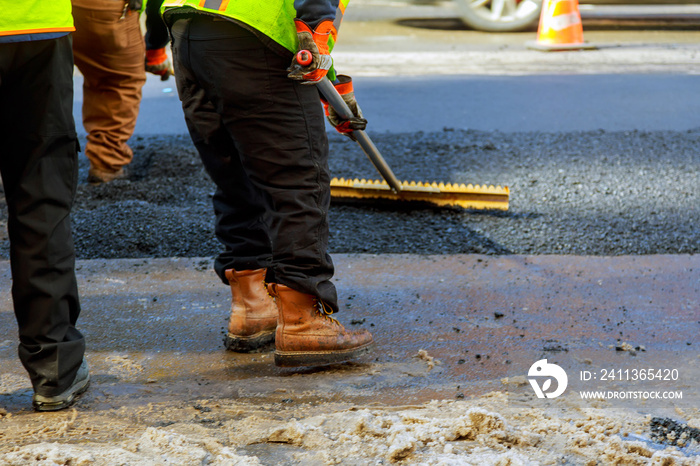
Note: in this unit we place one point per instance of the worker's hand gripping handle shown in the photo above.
(336, 101)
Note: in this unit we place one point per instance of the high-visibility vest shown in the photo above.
(274, 18)
(35, 17)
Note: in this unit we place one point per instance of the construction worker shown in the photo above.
(110, 52)
(261, 136)
(38, 163)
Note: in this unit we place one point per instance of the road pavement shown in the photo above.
(549, 102)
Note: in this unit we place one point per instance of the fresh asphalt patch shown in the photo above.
(583, 193)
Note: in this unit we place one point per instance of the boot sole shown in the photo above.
(318, 358)
(62, 403)
(241, 344)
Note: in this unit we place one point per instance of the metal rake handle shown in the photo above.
(336, 101)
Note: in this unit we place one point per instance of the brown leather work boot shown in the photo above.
(253, 311)
(308, 336)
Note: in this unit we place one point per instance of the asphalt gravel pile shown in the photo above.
(584, 193)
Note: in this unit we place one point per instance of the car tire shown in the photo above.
(515, 16)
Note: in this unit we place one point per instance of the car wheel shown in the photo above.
(499, 15)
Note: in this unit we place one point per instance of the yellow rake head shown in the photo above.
(442, 194)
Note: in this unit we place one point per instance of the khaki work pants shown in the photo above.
(109, 51)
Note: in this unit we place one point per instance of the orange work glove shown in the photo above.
(157, 62)
(343, 85)
(316, 42)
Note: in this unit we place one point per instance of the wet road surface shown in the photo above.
(446, 327)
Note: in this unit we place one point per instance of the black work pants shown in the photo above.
(262, 139)
(38, 162)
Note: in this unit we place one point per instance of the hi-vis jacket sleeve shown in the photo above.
(157, 35)
(313, 12)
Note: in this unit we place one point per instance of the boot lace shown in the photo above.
(267, 290)
(325, 311)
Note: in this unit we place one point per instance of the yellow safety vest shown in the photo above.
(274, 18)
(36, 17)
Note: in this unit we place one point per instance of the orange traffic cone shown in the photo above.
(560, 27)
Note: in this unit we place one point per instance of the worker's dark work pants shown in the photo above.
(38, 162)
(262, 139)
